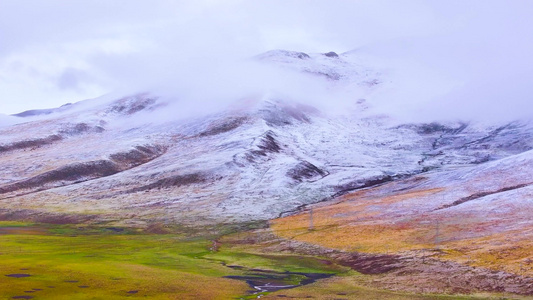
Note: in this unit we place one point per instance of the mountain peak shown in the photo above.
(279, 54)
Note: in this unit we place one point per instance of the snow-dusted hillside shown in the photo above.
(257, 160)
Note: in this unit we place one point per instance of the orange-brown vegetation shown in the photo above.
(354, 224)
(368, 222)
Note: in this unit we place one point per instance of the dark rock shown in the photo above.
(331, 54)
(343, 189)
(80, 172)
(173, 181)
(74, 172)
(431, 128)
(284, 114)
(137, 156)
(306, 171)
(81, 128)
(226, 126)
(267, 144)
(131, 105)
(34, 143)
(483, 194)
(302, 55)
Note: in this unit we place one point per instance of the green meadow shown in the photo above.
(43, 261)
(81, 262)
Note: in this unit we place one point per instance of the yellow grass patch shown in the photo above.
(361, 223)
(510, 251)
(352, 225)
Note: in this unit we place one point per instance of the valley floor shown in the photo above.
(100, 261)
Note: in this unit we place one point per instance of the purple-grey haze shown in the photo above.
(450, 59)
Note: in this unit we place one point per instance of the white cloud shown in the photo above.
(454, 55)
(479, 67)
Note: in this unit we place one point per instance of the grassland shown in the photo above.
(92, 262)
(72, 263)
(375, 224)
(357, 226)
(351, 287)
(99, 262)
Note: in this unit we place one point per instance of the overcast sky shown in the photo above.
(463, 57)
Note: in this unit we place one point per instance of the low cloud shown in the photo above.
(125, 44)
(479, 68)
(444, 59)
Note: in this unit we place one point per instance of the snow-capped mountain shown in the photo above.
(259, 159)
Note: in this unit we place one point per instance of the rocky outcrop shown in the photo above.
(84, 171)
(282, 114)
(224, 126)
(137, 156)
(264, 145)
(30, 143)
(172, 182)
(68, 130)
(132, 105)
(306, 171)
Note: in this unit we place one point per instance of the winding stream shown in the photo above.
(262, 281)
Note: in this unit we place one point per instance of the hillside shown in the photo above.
(456, 191)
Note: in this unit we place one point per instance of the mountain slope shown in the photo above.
(476, 215)
(229, 167)
(121, 159)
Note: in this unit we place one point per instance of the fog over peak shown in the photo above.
(439, 60)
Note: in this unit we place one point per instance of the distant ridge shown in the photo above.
(40, 112)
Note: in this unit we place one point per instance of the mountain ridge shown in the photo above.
(305, 154)
(261, 158)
